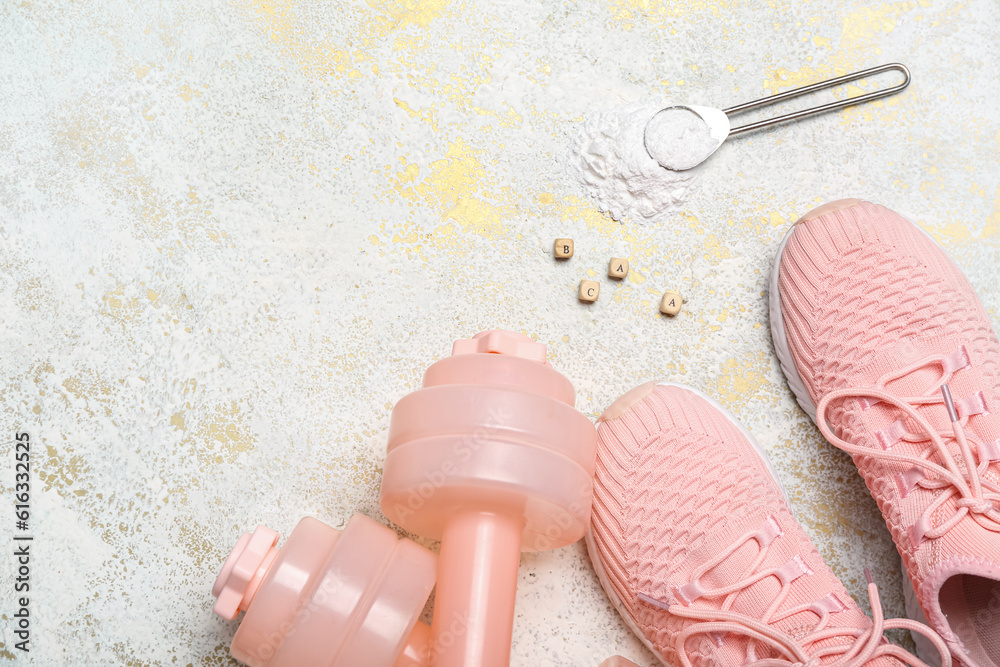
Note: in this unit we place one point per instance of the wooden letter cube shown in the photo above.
(589, 291)
(618, 268)
(563, 248)
(670, 304)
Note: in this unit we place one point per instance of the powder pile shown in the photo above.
(610, 159)
(678, 138)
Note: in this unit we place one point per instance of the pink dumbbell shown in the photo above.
(490, 457)
(618, 661)
(327, 597)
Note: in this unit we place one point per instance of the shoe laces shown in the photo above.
(863, 644)
(952, 463)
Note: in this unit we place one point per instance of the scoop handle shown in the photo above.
(830, 106)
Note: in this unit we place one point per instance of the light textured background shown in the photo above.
(234, 234)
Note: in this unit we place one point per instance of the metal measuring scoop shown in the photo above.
(717, 120)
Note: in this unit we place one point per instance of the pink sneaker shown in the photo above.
(694, 542)
(882, 337)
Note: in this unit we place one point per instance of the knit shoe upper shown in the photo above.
(879, 330)
(696, 545)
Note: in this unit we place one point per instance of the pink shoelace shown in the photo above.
(864, 644)
(960, 476)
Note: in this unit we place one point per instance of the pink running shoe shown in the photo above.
(886, 346)
(694, 542)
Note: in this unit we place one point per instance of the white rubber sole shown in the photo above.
(615, 600)
(780, 340)
(925, 649)
(589, 538)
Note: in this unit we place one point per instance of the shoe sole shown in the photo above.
(925, 649)
(592, 548)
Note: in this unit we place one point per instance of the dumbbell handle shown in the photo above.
(474, 604)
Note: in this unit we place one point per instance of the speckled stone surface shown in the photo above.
(233, 234)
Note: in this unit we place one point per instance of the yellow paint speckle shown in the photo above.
(742, 378)
(177, 421)
(188, 93)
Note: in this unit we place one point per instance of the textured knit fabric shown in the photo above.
(677, 483)
(864, 296)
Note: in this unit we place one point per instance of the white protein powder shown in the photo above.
(678, 138)
(609, 158)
